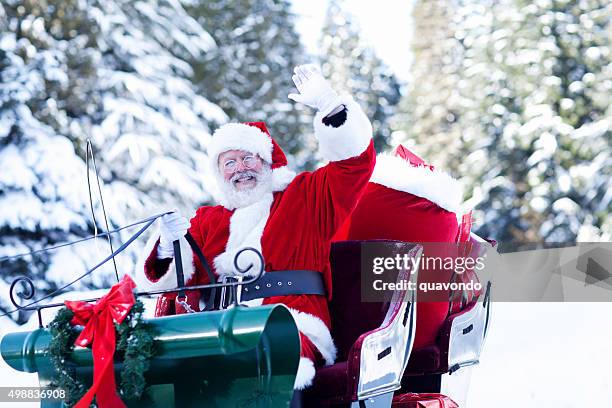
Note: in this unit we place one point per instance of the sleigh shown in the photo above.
(248, 356)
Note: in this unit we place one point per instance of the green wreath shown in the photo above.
(135, 344)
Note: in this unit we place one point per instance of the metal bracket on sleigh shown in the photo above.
(230, 288)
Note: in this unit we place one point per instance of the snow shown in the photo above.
(544, 355)
(487, 107)
(539, 204)
(593, 53)
(566, 205)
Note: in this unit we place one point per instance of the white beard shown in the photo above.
(233, 198)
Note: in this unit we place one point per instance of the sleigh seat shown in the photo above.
(373, 338)
(461, 336)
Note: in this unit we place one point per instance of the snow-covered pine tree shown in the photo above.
(546, 133)
(155, 125)
(535, 124)
(581, 201)
(432, 104)
(524, 84)
(353, 67)
(115, 71)
(249, 73)
(489, 104)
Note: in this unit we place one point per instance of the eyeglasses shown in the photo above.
(248, 162)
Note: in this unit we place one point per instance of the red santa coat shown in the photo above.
(292, 226)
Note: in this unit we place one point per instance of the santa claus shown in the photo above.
(289, 218)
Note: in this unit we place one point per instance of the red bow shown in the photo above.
(98, 321)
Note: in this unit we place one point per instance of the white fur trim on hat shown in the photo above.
(239, 136)
(317, 332)
(349, 139)
(305, 374)
(433, 185)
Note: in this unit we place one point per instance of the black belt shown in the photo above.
(284, 283)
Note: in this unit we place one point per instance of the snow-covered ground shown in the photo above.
(546, 355)
(536, 355)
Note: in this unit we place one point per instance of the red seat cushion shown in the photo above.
(430, 317)
(426, 400)
(424, 360)
(328, 387)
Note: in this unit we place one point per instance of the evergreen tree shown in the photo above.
(354, 68)
(531, 121)
(547, 138)
(432, 106)
(115, 71)
(249, 73)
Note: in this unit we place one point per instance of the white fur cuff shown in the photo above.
(317, 332)
(305, 374)
(349, 139)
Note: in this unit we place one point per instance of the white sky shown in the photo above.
(385, 25)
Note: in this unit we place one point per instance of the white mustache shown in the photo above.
(243, 175)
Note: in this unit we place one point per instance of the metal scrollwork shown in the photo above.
(243, 271)
(23, 289)
(30, 291)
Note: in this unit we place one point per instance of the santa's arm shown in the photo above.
(156, 267)
(345, 139)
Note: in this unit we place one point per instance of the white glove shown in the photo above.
(315, 90)
(172, 227)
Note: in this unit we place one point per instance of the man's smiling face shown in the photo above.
(240, 168)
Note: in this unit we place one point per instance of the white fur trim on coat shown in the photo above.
(433, 185)
(305, 374)
(317, 332)
(239, 136)
(349, 139)
(281, 178)
(168, 280)
(245, 230)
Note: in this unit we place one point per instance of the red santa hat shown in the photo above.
(251, 137)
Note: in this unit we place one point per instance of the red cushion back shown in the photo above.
(385, 213)
(350, 316)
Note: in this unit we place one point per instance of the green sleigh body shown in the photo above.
(240, 356)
